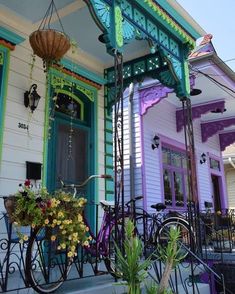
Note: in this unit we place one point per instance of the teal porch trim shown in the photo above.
(60, 79)
(83, 71)
(4, 72)
(61, 82)
(108, 127)
(10, 36)
(167, 7)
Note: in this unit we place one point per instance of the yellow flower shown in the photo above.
(25, 238)
(86, 243)
(58, 222)
(63, 232)
(75, 234)
(46, 222)
(59, 247)
(60, 214)
(63, 245)
(90, 238)
(70, 254)
(53, 237)
(61, 227)
(33, 226)
(80, 219)
(73, 248)
(55, 221)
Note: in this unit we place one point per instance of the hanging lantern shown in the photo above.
(49, 44)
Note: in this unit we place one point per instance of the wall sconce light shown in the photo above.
(156, 142)
(203, 158)
(31, 98)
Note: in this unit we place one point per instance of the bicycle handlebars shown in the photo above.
(134, 200)
(85, 182)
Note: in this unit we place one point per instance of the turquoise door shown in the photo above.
(70, 149)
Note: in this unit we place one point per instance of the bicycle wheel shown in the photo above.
(110, 239)
(186, 239)
(46, 267)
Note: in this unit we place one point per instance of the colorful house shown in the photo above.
(70, 133)
(155, 134)
(42, 138)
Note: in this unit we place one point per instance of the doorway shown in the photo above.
(216, 192)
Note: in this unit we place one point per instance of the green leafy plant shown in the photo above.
(171, 256)
(59, 212)
(131, 269)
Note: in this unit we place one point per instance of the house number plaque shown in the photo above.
(23, 126)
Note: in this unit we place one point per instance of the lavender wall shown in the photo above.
(160, 119)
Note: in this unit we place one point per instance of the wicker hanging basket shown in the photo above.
(50, 45)
(10, 205)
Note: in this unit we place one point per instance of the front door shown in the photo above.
(216, 192)
(71, 162)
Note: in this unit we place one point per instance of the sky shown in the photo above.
(216, 17)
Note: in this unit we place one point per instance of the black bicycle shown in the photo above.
(152, 228)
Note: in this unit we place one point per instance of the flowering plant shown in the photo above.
(59, 212)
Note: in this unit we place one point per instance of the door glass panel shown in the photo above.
(178, 185)
(73, 168)
(69, 106)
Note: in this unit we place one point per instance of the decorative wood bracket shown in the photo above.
(226, 139)
(208, 129)
(152, 96)
(197, 112)
(122, 21)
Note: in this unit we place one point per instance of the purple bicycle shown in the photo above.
(47, 268)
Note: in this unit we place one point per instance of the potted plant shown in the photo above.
(59, 213)
(47, 43)
(222, 240)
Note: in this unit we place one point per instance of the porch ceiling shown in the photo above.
(78, 25)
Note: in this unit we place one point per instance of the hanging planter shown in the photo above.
(49, 44)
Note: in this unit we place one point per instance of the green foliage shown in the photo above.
(172, 251)
(170, 255)
(132, 270)
(60, 213)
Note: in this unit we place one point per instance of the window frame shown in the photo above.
(172, 169)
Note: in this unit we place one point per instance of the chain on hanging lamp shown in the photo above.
(49, 44)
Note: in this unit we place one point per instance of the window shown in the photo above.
(174, 177)
(214, 164)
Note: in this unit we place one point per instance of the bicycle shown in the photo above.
(46, 267)
(152, 229)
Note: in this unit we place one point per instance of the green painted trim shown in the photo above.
(166, 21)
(10, 36)
(75, 98)
(83, 71)
(46, 125)
(95, 131)
(3, 94)
(167, 7)
(88, 90)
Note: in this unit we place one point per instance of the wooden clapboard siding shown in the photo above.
(20, 145)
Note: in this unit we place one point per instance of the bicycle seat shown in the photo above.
(158, 206)
(106, 203)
